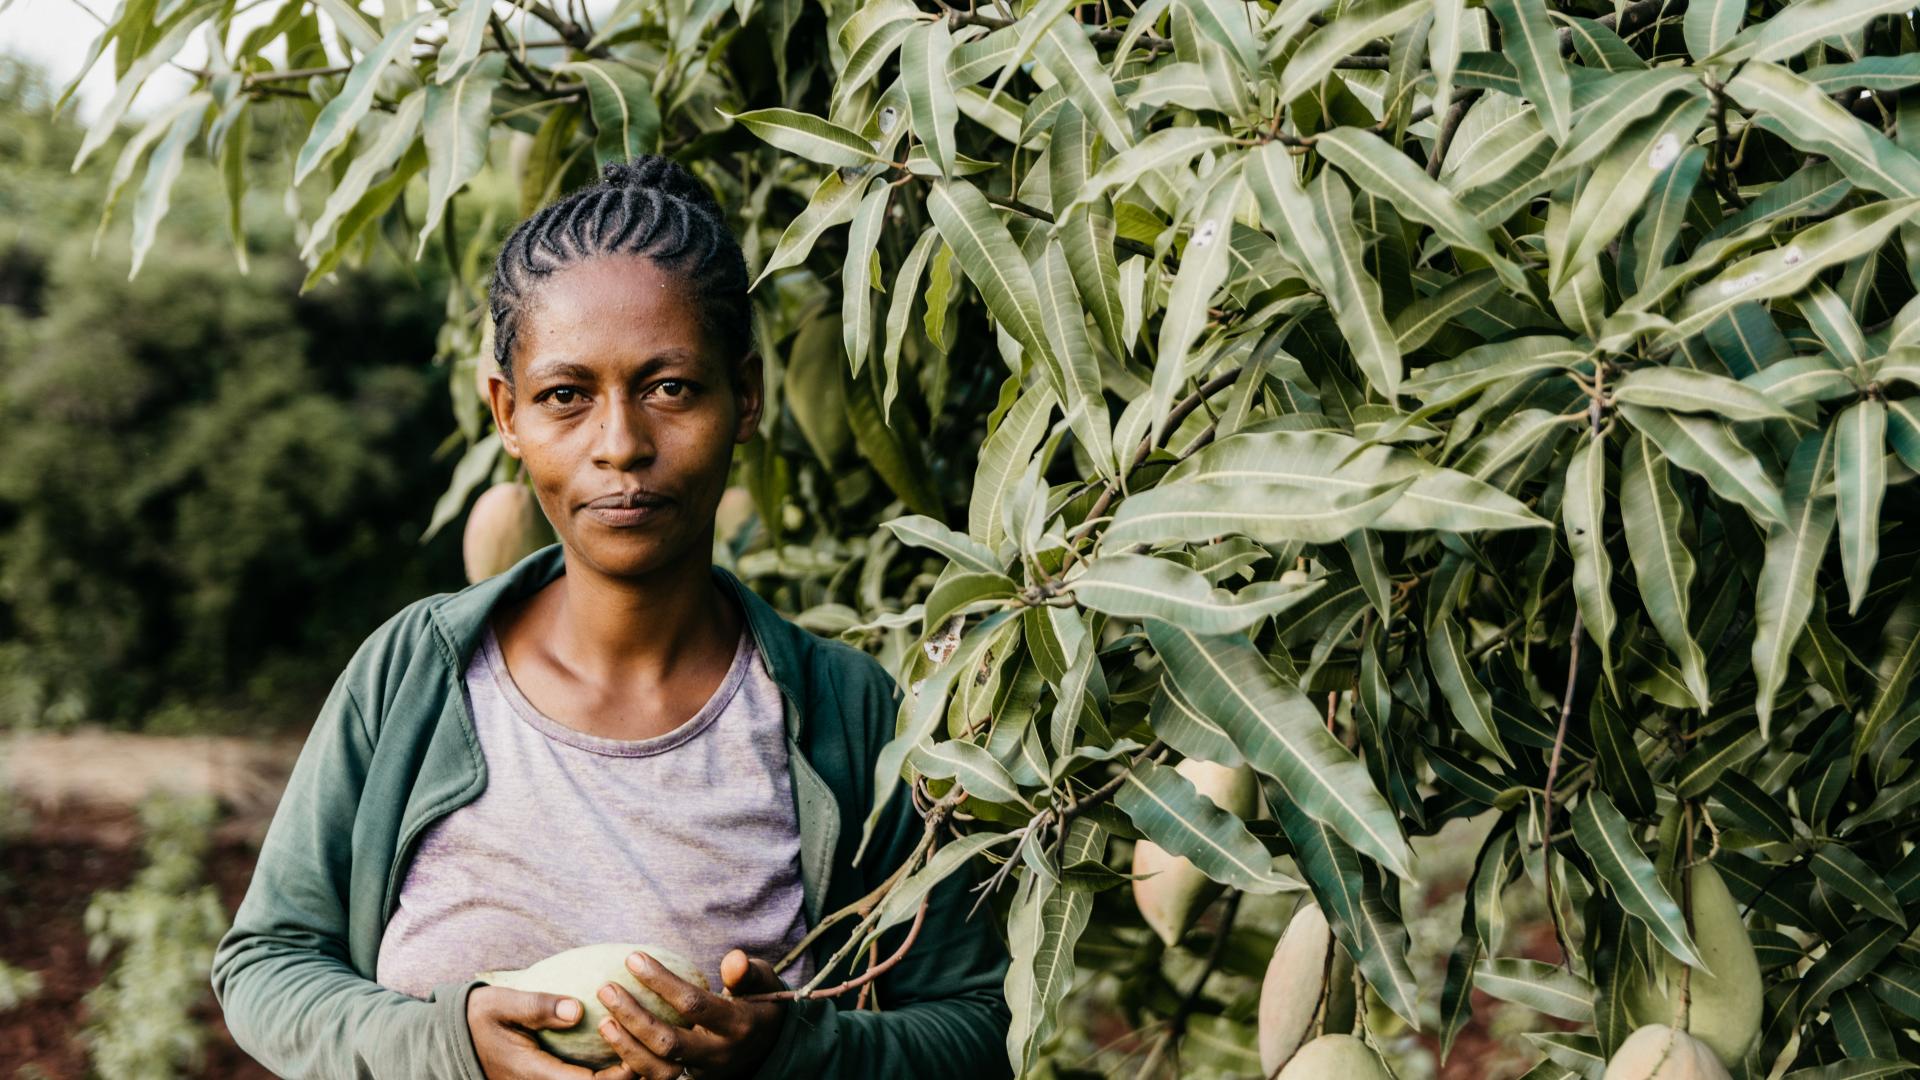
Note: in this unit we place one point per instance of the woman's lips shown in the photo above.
(626, 517)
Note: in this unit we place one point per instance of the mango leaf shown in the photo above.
(456, 132)
(925, 60)
(1269, 513)
(1860, 484)
(1043, 926)
(1608, 840)
(1331, 462)
(1684, 390)
(1583, 512)
(1353, 294)
(1141, 586)
(1203, 267)
(338, 117)
(1545, 988)
(1655, 521)
(991, 260)
(856, 276)
(1706, 448)
(1799, 25)
(1817, 125)
(1784, 594)
(1327, 46)
(921, 712)
(1281, 734)
(1175, 815)
(1467, 699)
(1528, 37)
(806, 135)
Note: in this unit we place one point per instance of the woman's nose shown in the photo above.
(626, 436)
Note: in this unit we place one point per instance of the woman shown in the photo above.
(615, 740)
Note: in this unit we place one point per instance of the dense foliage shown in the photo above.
(1440, 411)
(208, 480)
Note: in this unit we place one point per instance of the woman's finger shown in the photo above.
(643, 1063)
(529, 1009)
(698, 1007)
(663, 1039)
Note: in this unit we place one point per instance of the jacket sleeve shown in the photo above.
(281, 973)
(943, 1010)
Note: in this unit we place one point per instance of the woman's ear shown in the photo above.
(500, 403)
(749, 387)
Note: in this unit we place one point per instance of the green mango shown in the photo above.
(1335, 1057)
(1724, 1008)
(1657, 1052)
(579, 974)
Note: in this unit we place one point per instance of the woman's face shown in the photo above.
(623, 416)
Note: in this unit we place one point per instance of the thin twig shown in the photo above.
(513, 58)
(872, 973)
(1177, 1024)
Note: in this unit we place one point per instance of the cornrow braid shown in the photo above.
(649, 206)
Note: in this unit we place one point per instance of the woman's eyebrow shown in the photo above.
(573, 369)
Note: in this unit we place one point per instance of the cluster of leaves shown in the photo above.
(208, 480)
(160, 931)
(1441, 410)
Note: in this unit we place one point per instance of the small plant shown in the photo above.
(162, 930)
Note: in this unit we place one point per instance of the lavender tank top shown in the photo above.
(688, 840)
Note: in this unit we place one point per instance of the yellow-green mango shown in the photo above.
(579, 974)
(1295, 981)
(1178, 890)
(1657, 1052)
(1335, 1057)
(1724, 1008)
(505, 525)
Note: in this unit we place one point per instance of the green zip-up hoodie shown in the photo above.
(393, 750)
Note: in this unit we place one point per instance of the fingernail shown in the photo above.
(568, 1010)
(606, 994)
(607, 1028)
(634, 961)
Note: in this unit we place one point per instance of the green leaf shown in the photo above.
(921, 713)
(107, 121)
(1655, 520)
(1466, 698)
(1072, 364)
(1003, 457)
(1440, 498)
(1540, 986)
(809, 136)
(1203, 267)
(1852, 878)
(456, 131)
(162, 169)
(833, 203)
(1727, 748)
(1620, 181)
(971, 765)
(1607, 838)
(1281, 734)
(1327, 46)
(856, 276)
(918, 530)
(1710, 24)
(1269, 513)
(338, 117)
(1817, 125)
(625, 117)
(1353, 294)
(925, 63)
(1141, 586)
(1707, 449)
(1684, 390)
(1349, 892)
(1584, 515)
(991, 260)
(1528, 37)
(1784, 594)
(1175, 815)
(1799, 25)
(1416, 324)
(892, 446)
(1044, 924)
(1164, 149)
(906, 286)
(1860, 483)
(1188, 730)
(1069, 56)
(466, 30)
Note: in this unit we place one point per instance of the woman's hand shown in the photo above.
(727, 1039)
(503, 1021)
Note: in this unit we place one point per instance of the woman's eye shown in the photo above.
(561, 395)
(676, 389)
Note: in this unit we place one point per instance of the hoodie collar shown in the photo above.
(460, 620)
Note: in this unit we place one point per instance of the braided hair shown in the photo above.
(649, 206)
